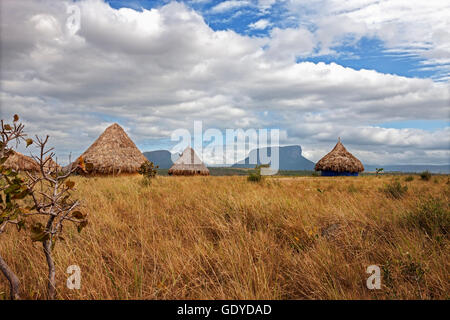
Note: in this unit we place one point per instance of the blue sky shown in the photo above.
(374, 72)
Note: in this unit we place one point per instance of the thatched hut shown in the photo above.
(339, 162)
(19, 162)
(113, 153)
(51, 165)
(188, 164)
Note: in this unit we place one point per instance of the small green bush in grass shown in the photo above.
(395, 190)
(432, 217)
(256, 175)
(409, 178)
(426, 175)
(148, 172)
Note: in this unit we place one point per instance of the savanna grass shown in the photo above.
(227, 238)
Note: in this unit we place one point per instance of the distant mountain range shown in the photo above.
(161, 158)
(291, 159)
(410, 168)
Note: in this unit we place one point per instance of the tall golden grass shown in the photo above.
(227, 238)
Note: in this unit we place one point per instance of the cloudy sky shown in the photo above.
(375, 73)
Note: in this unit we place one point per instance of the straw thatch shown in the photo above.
(19, 162)
(339, 160)
(113, 153)
(51, 165)
(188, 164)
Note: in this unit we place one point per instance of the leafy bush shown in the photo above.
(256, 176)
(47, 190)
(412, 270)
(148, 170)
(395, 190)
(409, 178)
(426, 175)
(432, 216)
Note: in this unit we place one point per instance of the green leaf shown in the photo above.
(70, 184)
(29, 141)
(20, 195)
(77, 215)
(7, 199)
(82, 225)
(11, 188)
(21, 225)
(41, 236)
(38, 233)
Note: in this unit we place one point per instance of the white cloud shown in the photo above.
(260, 24)
(265, 5)
(161, 69)
(229, 5)
(290, 43)
(407, 27)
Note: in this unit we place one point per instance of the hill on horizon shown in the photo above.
(290, 158)
(412, 168)
(161, 158)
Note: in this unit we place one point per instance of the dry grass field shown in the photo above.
(227, 238)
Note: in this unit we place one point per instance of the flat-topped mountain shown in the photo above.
(290, 158)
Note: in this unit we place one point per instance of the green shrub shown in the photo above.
(395, 190)
(432, 217)
(148, 169)
(412, 270)
(426, 175)
(315, 174)
(409, 178)
(256, 176)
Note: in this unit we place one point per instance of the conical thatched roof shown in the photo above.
(18, 161)
(339, 160)
(113, 153)
(51, 165)
(188, 164)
